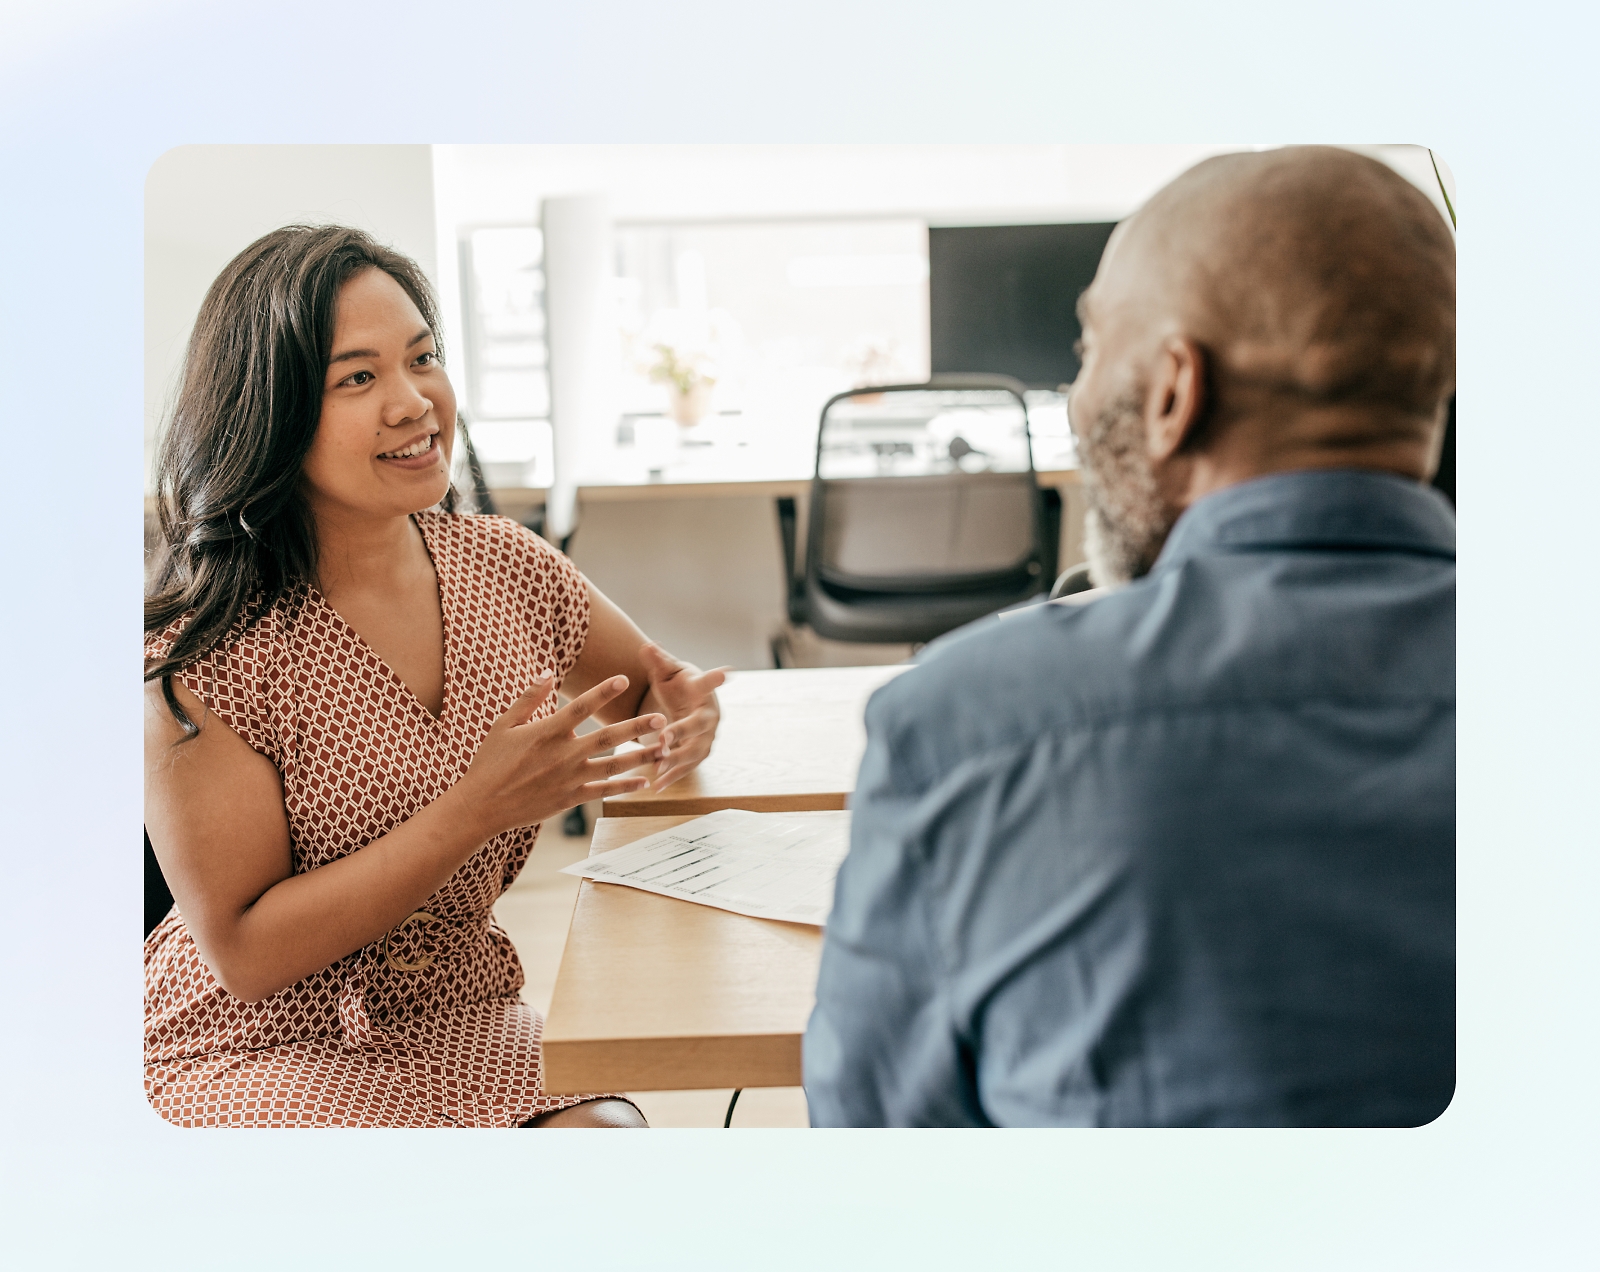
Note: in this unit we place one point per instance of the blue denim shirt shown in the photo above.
(1184, 855)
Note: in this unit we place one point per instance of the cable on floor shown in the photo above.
(728, 1121)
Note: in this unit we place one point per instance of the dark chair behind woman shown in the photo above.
(157, 896)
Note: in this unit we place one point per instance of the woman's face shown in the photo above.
(388, 422)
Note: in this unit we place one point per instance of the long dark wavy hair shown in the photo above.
(236, 532)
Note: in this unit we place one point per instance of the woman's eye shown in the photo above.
(428, 359)
(360, 377)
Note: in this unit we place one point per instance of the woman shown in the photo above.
(352, 729)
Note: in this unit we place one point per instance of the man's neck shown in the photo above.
(1247, 449)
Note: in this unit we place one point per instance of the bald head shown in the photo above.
(1311, 270)
(1312, 273)
(1265, 312)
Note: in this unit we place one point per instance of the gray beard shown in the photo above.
(1127, 521)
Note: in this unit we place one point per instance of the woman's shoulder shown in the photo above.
(241, 677)
(488, 540)
(504, 563)
(254, 637)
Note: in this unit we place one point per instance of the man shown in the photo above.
(1184, 855)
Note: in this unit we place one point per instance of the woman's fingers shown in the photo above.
(660, 664)
(679, 679)
(522, 710)
(663, 780)
(616, 734)
(605, 790)
(611, 765)
(586, 704)
(686, 728)
(691, 685)
(684, 754)
(687, 751)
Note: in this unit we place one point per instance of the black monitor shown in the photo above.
(1002, 298)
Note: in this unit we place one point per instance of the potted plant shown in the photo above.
(690, 378)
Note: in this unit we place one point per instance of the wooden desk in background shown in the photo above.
(520, 502)
(657, 994)
(788, 741)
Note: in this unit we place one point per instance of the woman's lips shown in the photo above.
(427, 459)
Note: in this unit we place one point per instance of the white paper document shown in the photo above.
(766, 865)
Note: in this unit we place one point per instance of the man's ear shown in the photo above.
(1177, 397)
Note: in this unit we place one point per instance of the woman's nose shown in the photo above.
(406, 405)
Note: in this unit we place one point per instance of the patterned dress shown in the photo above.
(422, 1027)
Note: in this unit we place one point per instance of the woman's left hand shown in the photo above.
(687, 697)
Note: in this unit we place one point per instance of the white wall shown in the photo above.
(204, 204)
(946, 183)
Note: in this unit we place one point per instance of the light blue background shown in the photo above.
(92, 93)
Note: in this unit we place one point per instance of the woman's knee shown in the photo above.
(609, 1112)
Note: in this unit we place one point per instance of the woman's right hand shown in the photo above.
(529, 769)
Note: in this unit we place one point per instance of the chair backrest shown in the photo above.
(920, 534)
(925, 488)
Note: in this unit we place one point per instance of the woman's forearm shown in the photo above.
(309, 921)
(261, 928)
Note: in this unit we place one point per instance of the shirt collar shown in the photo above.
(1323, 508)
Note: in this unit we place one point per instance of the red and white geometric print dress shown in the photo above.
(423, 1027)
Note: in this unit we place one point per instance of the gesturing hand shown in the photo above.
(528, 769)
(687, 696)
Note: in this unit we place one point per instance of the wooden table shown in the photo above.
(789, 741)
(657, 994)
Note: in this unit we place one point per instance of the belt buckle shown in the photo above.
(399, 964)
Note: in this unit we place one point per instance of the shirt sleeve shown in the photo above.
(559, 601)
(232, 682)
(881, 1048)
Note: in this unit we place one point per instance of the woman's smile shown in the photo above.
(419, 454)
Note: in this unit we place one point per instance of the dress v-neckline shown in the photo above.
(383, 663)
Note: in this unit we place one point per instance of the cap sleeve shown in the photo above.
(559, 601)
(232, 681)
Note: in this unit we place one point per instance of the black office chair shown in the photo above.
(924, 512)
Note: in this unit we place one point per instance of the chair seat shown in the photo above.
(889, 618)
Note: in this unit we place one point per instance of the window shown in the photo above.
(780, 314)
(783, 313)
(507, 389)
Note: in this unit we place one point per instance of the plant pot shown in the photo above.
(691, 407)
